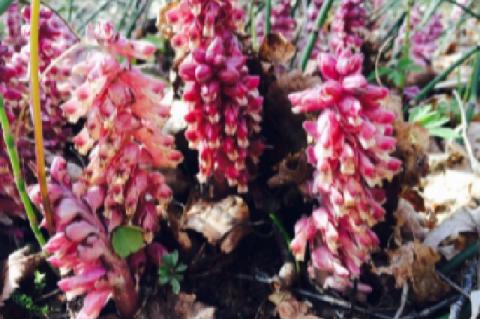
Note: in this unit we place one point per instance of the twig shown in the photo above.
(452, 284)
(403, 301)
(17, 174)
(37, 112)
(465, 9)
(423, 93)
(473, 161)
(321, 18)
(426, 313)
(339, 303)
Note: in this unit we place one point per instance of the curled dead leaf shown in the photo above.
(414, 263)
(276, 48)
(223, 222)
(412, 145)
(18, 266)
(445, 237)
(288, 307)
(409, 223)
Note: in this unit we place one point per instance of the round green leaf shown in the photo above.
(127, 240)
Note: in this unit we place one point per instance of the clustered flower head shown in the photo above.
(123, 130)
(352, 140)
(81, 246)
(280, 19)
(55, 38)
(225, 109)
(348, 22)
(424, 41)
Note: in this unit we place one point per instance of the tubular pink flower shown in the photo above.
(225, 110)
(280, 20)
(350, 154)
(81, 248)
(123, 131)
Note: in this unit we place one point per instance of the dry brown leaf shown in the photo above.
(288, 307)
(187, 308)
(412, 145)
(454, 157)
(18, 265)
(224, 221)
(181, 306)
(408, 223)
(448, 191)
(444, 237)
(276, 48)
(414, 263)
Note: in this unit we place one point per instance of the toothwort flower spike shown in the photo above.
(225, 110)
(350, 153)
(81, 248)
(123, 131)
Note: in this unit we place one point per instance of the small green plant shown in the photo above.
(433, 120)
(171, 271)
(39, 281)
(397, 71)
(27, 303)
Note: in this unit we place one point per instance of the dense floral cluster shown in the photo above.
(81, 247)
(225, 109)
(348, 22)
(280, 19)
(424, 41)
(352, 141)
(55, 38)
(123, 129)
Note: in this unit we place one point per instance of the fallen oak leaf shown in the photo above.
(223, 222)
(18, 266)
(414, 263)
(288, 307)
(443, 237)
(449, 190)
(181, 306)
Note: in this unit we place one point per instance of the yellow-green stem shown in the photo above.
(37, 112)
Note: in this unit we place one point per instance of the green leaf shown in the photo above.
(416, 114)
(181, 268)
(436, 122)
(175, 286)
(127, 240)
(163, 280)
(4, 4)
(444, 132)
